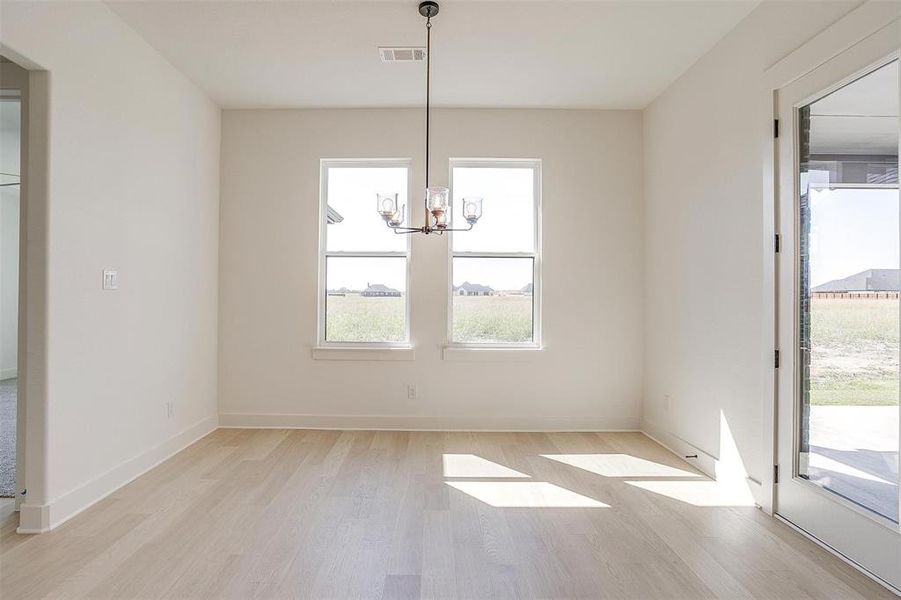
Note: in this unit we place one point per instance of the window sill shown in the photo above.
(503, 354)
(365, 353)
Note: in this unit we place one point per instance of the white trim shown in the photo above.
(33, 519)
(537, 423)
(484, 353)
(705, 462)
(343, 163)
(857, 25)
(363, 353)
(499, 163)
(58, 511)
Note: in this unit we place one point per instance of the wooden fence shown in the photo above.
(856, 295)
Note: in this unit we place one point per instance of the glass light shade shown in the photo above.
(441, 220)
(397, 218)
(472, 209)
(436, 199)
(386, 205)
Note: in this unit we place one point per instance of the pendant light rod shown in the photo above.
(428, 9)
(428, 93)
(436, 203)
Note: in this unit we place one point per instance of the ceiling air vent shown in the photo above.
(402, 54)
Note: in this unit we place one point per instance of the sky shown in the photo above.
(507, 225)
(852, 230)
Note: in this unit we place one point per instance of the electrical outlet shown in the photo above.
(667, 402)
(411, 391)
(110, 280)
(170, 409)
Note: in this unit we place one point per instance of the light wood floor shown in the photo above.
(329, 514)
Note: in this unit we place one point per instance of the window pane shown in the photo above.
(508, 210)
(849, 310)
(353, 222)
(365, 299)
(492, 300)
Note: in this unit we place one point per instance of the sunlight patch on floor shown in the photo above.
(470, 465)
(701, 493)
(524, 494)
(619, 465)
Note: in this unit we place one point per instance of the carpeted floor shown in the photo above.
(8, 438)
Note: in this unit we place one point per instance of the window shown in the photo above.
(495, 268)
(364, 266)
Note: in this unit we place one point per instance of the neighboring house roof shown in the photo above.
(871, 280)
(332, 216)
(526, 289)
(473, 288)
(378, 287)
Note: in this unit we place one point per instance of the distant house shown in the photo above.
(473, 289)
(871, 280)
(340, 292)
(527, 289)
(377, 290)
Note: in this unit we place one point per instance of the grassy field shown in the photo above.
(354, 318)
(499, 319)
(854, 352)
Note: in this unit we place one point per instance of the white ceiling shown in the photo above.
(579, 54)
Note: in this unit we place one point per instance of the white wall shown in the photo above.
(704, 243)
(133, 186)
(10, 128)
(588, 377)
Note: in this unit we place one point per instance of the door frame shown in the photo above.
(14, 77)
(32, 500)
(857, 26)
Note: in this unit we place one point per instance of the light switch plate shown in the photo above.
(110, 280)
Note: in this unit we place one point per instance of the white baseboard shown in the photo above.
(38, 519)
(9, 373)
(704, 462)
(426, 423)
(33, 518)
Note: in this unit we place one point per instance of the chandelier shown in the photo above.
(436, 197)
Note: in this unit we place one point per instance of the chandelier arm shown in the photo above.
(459, 229)
(405, 230)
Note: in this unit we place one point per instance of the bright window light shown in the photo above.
(495, 268)
(364, 266)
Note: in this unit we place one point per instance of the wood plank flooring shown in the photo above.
(364, 514)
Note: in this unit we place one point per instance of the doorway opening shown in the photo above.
(13, 82)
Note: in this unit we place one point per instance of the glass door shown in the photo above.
(838, 440)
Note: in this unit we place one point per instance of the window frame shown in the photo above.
(535, 255)
(325, 165)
